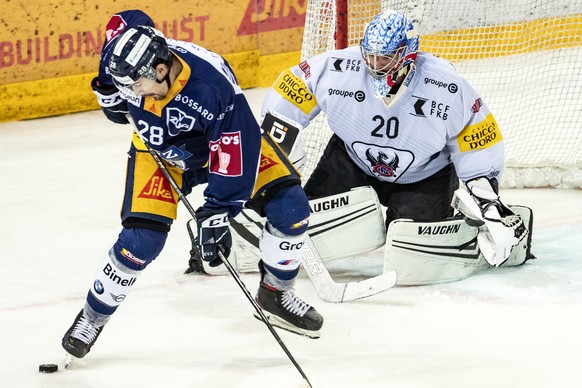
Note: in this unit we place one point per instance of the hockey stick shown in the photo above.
(225, 261)
(327, 289)
(331, 291)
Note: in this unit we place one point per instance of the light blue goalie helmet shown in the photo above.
(388, 46)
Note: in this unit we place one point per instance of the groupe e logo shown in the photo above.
(359, 95)
(452, 87)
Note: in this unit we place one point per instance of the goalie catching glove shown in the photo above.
(213, 235)
(500, 229)
(110, 101)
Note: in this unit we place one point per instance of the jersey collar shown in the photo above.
(156, 106)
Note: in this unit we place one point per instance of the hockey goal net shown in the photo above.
(524, 57)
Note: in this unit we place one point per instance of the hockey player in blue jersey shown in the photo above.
(188, 107)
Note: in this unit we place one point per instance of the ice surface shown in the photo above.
(62, 181)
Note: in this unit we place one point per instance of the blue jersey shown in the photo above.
(204, 122)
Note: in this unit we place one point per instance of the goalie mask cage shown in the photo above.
(524, 57)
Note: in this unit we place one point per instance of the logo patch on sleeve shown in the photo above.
(294, 90)
(226, 155)
(480, 136)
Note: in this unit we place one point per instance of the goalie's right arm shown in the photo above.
(500, 229)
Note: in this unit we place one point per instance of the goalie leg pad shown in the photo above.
(340, 225)
(347, 224)
(431, 252)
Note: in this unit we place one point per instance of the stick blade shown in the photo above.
(369, 287)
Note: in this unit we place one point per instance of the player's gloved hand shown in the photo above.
(213, 235)
(110, 101)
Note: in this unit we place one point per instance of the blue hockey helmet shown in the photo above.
(388, 44)
(136, 54)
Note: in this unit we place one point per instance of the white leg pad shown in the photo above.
(432, 252)
(341, 225)
(347, 224)
(444, 251)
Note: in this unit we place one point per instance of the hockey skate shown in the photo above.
(285, 310)
(81, 336)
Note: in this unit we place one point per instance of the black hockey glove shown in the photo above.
(213, 235)
(110, 101)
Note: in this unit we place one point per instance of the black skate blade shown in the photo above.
(282, 324)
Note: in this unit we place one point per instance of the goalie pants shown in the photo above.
(426, 200)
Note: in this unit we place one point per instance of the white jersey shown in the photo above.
(436, 119)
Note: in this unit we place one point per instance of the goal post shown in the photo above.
(524, 57)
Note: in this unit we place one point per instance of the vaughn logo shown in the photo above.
(329, 204)
(440, 229)
(272, 15)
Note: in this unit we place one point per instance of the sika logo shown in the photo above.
(272, 15)
(158, 188)
(266, 163)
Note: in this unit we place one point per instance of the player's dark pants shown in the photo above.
(426, 200)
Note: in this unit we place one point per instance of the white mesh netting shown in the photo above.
(523, 56)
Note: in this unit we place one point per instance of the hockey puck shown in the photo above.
(48, 368)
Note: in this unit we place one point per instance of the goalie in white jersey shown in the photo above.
(408, 125)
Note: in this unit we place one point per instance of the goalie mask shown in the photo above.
(137, 53)
(388, 47)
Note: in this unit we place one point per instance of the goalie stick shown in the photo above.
(331, 291)
(328, 289)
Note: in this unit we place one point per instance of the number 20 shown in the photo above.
(389, 126)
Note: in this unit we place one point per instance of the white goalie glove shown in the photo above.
(500, 229)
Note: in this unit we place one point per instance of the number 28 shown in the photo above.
(152, 135)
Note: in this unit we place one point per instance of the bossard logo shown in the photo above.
(271, 15)
(158, 188)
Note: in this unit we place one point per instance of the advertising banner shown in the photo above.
(41, 40)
